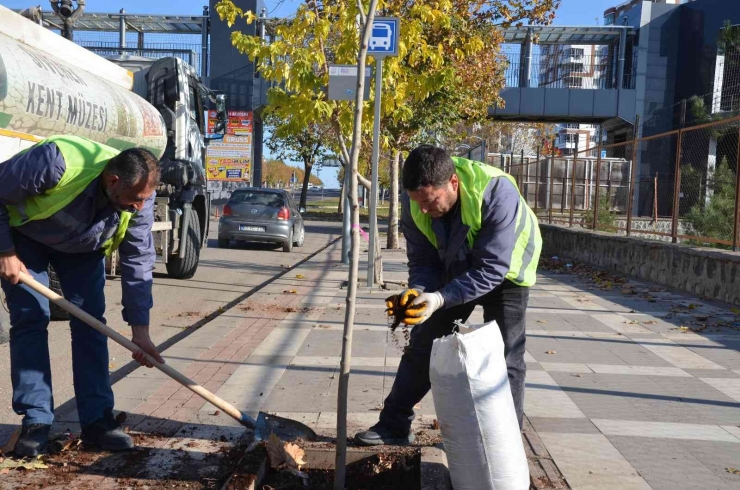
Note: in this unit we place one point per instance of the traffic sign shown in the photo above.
(384, 37)
(343, 82)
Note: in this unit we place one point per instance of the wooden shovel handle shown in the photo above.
(120, 339)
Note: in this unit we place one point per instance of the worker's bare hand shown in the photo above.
(11, 267)
(141, 338)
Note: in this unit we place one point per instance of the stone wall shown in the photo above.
(710, 273)
(641, 227)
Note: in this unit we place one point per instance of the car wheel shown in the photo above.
(301, 237)
(288, 244)
(223, 243)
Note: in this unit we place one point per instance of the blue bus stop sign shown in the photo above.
(384, 37)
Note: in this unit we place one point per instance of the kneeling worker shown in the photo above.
(471, 239)
(66, 202)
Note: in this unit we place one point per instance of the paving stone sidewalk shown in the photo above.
(624, 391)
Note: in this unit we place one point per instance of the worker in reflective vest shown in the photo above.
(67, 202)
(471, 239)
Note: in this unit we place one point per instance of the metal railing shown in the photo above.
(678, 186)
(561, 70)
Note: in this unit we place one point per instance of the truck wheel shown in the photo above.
(184, 264)
(56, 313)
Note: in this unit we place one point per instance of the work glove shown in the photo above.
(422, 307)
(399, 302)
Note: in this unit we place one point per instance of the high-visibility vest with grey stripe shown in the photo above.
(84, 161)
(474, 178)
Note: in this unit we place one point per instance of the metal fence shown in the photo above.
(187, 47)
(679, 186)
(569, 69)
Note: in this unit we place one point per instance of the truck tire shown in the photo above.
(184, 264)
(56, 313)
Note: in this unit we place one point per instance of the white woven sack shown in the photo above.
(476, 412)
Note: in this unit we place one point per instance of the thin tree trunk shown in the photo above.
(364, 182)
(308, 166)
(349, 317)
(393, 203)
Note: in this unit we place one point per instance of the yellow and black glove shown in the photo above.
(399, 302)
(422, 307)
(396, 306)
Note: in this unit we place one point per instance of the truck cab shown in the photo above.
(174, 88)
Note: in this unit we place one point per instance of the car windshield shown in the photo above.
(258, 199)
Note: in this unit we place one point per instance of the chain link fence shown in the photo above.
(678, 186)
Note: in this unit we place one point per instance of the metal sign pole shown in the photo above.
(374, 173)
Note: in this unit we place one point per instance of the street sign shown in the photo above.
(331, 163)
(383, 42)
(384, 37)
(343, 82)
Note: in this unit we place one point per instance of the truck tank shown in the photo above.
(43, 95)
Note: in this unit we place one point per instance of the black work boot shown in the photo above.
(106, 434)
(379, 435)
(32, 441)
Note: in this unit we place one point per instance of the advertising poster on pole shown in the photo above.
(230, 159)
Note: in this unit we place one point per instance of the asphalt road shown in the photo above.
(223, 275)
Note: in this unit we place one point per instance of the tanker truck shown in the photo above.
(49, 86)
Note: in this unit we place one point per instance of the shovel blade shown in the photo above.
(285, 429)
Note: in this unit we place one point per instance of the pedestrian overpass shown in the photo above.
(568, 74)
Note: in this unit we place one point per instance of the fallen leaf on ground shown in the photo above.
(692, 306)
(63, 443)
(323, 326)
(541, 321)
(290, 291)
(33, 464)
(435, 424)
(300, 276)
(417, 406)
(631, 322)
(732, 470)
(683, 329)
(284, 454)
(734, 310)
(10, 445)
(549, 352)
(650, 322)
(577, 375)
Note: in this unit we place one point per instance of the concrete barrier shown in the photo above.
(710, 273)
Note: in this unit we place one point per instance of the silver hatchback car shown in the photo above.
(261, 215)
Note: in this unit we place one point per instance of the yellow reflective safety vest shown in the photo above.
(474, 178)
(84, 161)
